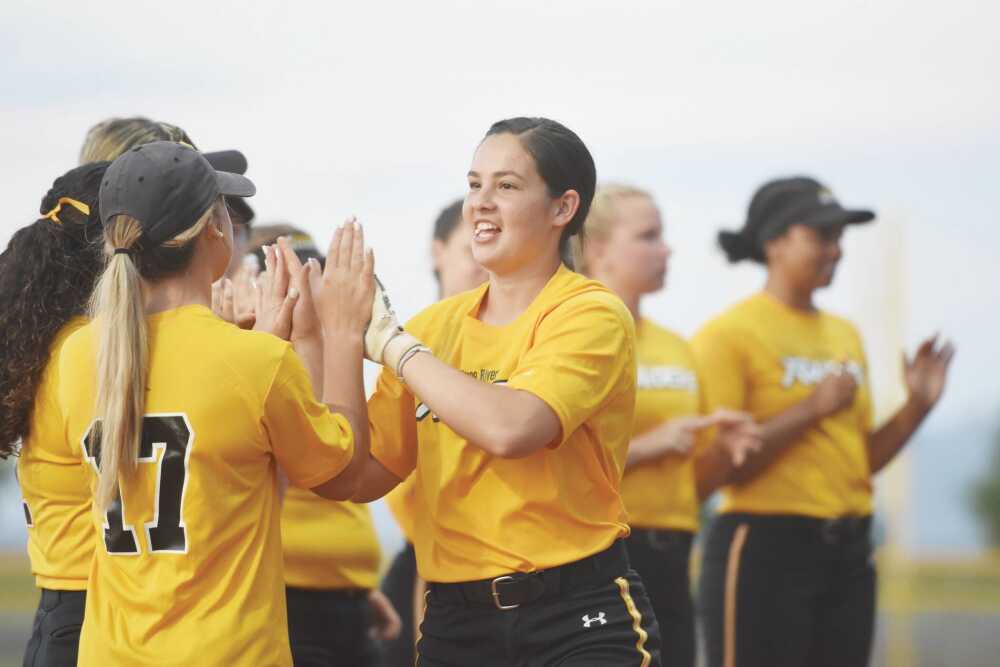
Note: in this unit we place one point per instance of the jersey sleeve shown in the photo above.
(392, 414)
(721, 368)
(311, 444)
(583, 355)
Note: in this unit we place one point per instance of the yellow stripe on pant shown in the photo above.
(636, 621)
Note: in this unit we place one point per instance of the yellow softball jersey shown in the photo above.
(661, 493)
(55, 487)
(763, 357)
(328, 544)
(401, 502)
(188, 567)
(477, 515)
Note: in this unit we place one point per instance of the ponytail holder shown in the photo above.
(53, 215)
(124, 251)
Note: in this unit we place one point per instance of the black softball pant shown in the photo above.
(398, 585)
(598, 616)
(55, 633)
(330, 627)
(661, 559)
(787, 591)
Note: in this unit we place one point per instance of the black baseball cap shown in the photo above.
(232, 161)
(167, 187)
(801, 200)
(235, 162)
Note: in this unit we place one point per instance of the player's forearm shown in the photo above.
(643, 448)
(375, 482)
(344, 392)
(503, 421)
(310, 351)
(713, 468)
(649, 446)
(778, 434)
(885, 443)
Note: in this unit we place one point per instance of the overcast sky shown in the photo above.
(375, 109)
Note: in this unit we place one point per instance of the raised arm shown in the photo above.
(344, 305)
(579, 355)
(505, 422)
(925, 375)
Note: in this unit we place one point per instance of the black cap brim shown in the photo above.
(234, 185)
(835, 215)
(232, 161)
(240, 211)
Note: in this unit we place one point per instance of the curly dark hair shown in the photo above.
(47, 274)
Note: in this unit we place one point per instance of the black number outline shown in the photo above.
(118, 504)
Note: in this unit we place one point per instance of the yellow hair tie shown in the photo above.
(53, 215)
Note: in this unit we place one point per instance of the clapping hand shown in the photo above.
(926, 372)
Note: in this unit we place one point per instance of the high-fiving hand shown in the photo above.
(275, 296)
(347, 287)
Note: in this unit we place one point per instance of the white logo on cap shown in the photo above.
(825, 197)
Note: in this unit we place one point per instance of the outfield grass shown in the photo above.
(939, 585)
(19, 592)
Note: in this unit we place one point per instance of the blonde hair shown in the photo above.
(118, 312)
(112, 137)
(602, 217)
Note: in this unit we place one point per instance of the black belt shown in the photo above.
(510, 591)
(662, 538)
(844, 529)
(838, 531)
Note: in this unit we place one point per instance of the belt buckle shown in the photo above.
(496, 594)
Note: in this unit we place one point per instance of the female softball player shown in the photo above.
(455, 270)
(624, 249)
(520, 396)
(46, 275)
(788, 577)
(185, 418)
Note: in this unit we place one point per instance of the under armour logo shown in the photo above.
(587, 620)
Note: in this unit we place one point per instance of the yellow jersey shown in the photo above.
(661, 493)
(328, 544)
(401, 502)
(764, 357)
(55, 487)
(477, 515)
(188, 567)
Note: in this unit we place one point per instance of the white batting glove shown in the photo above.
(386, 342)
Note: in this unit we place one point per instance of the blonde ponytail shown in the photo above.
(118, 311)
(122, 359)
